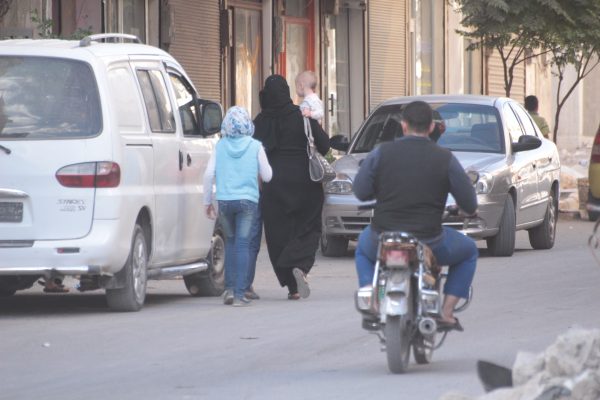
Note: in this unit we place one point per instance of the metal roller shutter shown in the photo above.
(387, 49)
(495, 79)
(196, 43)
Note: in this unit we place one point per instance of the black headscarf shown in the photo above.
(275, 103)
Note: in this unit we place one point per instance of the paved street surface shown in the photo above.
(179, 347)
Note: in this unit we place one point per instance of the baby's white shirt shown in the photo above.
(315, 105)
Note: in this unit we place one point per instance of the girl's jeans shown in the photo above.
(454, 249)
(237, 218)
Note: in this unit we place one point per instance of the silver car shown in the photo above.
(496, 141)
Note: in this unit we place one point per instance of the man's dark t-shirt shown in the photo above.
(410, 178)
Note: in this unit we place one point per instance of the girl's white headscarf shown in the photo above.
(237, 123)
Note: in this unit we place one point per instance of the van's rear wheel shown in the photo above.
(212, 281)
(131, 297)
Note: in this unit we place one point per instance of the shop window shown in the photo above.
(429, 46)
(246, 56)
(127, 16)
(473, 69)
(298, 53)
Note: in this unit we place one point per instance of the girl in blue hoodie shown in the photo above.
(235, 166)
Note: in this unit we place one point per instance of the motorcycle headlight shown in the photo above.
(340, 185)
(484, 183)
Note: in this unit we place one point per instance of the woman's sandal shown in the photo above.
(301, 282)
(293, 296)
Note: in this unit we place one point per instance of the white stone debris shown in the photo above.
(570, 366)
(573, 180)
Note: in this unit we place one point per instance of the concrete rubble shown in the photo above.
(573, 180)
(569, 369)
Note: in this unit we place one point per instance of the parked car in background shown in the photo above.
(495, 139)
(102, 151)
(593, 201)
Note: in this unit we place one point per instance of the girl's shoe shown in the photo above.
(293, 296)
(243, 302)
(228, 297)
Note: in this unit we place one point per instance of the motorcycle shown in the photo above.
(405, 299)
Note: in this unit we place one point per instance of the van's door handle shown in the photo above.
(180, 160)
(189, 160)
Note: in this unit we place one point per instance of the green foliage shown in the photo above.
(44, 28)
(516, 29)
(574, 41)
(568, 30)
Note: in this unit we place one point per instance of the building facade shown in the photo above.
(363, 51)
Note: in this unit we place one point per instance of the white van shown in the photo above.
(102, 149)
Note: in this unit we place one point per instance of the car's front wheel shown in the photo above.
(542, 236)
(132, 295)
(334, 246)
(503, 243)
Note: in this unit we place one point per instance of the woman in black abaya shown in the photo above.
(291, 203)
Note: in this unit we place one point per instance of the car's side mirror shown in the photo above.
(339, 142)
(210, 116)
(526, 142)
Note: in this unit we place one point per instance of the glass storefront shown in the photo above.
(127, 16)
(247, 58)
(298, 52)
(428, 46)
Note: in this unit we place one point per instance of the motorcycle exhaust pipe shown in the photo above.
(427, 326)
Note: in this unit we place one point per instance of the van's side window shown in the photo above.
(154, 91)
(124, 96)
(184, 97)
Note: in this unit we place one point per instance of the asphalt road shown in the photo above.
(178, 347)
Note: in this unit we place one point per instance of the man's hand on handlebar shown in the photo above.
(456, 211)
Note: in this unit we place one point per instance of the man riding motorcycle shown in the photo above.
(410, 179)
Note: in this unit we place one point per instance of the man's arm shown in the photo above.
(461, 187)
(364, 182)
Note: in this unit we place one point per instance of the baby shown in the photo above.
(311, 106)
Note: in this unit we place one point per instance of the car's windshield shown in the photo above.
(463, 127)
(47, 98)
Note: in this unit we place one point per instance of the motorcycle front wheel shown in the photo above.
(397, 343)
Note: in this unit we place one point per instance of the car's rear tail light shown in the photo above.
(596, 148)
(90, 175)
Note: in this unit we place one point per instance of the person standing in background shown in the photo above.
(532, 106)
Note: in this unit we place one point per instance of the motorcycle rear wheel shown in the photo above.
(422, 351)
(397, 342)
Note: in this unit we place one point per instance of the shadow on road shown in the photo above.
(34, 304)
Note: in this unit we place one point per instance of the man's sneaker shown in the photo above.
(228, 297)
(303, 288)
(243, 302)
